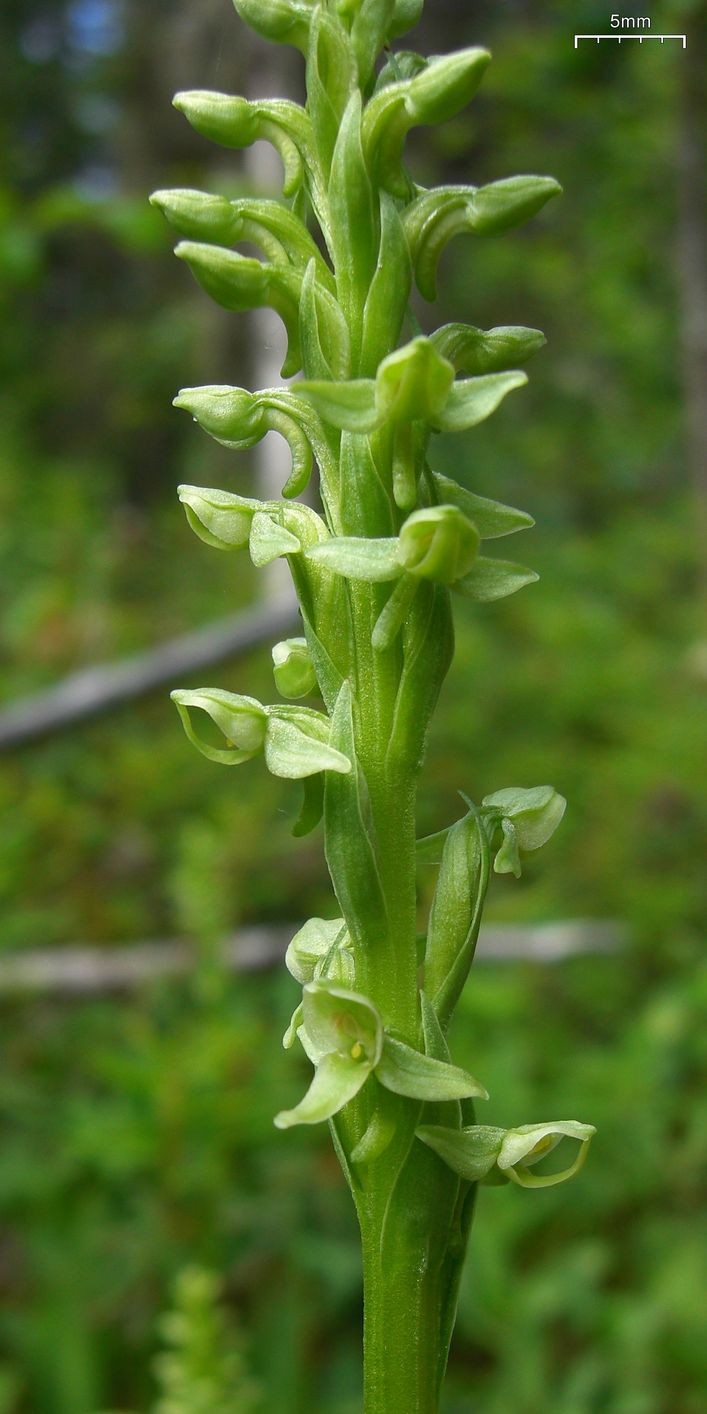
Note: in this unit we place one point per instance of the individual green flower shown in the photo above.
(527, 818)
(293, 739)
(525, 1146)
(438, 543)
(485, 1154)
(342, 1033)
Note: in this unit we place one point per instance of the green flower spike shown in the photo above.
(527, 818)
(293, 739)
(484, 1154)
(343, 1036)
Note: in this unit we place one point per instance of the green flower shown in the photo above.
(295, 740)
(527, 819)
(343, 1035)
(482, 1153)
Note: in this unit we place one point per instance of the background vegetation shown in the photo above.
(136, 1135)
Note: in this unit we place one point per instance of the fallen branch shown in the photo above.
(93, 691)
(91, 971)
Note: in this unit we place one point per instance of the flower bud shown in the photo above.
(220, 117)
(413, 384)
(232, 415)
(406, 14)
(293, 669)
(285, 21)
(220, 518)
(438, 543)
(502, 205)
(446, 85)
(198, 215)
(311, 945)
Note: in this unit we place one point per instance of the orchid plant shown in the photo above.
(374, 567)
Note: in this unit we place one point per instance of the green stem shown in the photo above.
(403, 1281)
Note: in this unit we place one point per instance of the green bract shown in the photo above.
(337, 257)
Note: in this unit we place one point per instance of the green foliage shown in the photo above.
(200, 1372)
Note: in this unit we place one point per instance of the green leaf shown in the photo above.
(475, 351)
(470, 1152)
(389, 293)
(294, 749)
(324, 334)
(312, 807)
(369, 31)
(492, 518)
(269, 540)
(472, 400)
(373, 561)
(408, 1072)
(331, 76)
(337, 1079)
(394, 612)
(455, 916)
(502, 205)
(353, 230)
(494, 579)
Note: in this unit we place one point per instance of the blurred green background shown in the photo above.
(136, 1138)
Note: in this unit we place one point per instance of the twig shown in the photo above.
(91, 971)
(93, 691)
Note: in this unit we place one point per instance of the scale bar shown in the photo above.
(639, 37)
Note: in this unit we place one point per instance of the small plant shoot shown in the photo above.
(378, 556)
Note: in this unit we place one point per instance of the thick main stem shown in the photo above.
(401, 1341)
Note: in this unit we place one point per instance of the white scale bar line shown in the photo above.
(639, 37)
